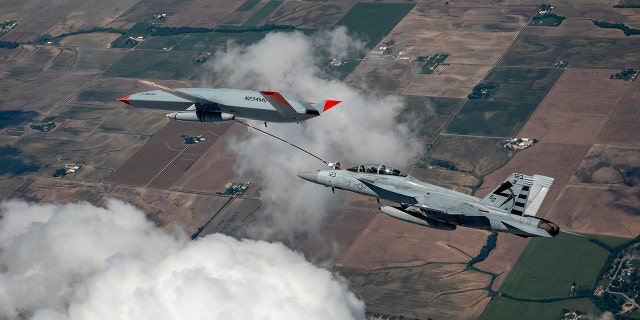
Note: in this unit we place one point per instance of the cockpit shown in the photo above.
(378, 169)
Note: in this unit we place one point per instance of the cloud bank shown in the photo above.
(363, 128)
(77, 261)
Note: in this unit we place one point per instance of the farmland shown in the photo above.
(546, 269)
(552, 84)
(373, 21)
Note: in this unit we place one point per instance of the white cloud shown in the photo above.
(76, 261)
(363, 128)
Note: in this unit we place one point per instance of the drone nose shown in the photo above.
(309, 175)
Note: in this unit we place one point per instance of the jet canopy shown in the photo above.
(378, 169)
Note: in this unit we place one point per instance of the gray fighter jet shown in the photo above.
(511, 207)
(223, 104)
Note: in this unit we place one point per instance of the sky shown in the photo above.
(77, 261)
(361, 129)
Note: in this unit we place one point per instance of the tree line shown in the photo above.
(626, 29)
(172, 31)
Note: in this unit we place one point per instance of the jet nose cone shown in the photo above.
(309, 176)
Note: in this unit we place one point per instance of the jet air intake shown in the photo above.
(417, 218)
(201, 116)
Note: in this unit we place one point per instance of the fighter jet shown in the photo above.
(511, 207)
(223, 104)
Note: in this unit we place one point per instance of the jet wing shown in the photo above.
(191, 97)
(387, 194)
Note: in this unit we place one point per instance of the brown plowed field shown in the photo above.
(171, 209)
(623, 127)
(437, 290)
(576, 108)
(203, 13)
(387, 242)
(157, 158)
(214, 167)
(310, 14)
(475, 37)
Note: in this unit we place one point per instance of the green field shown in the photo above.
(373, 21)
(248, 5)
(547, 267)
(491, 118)
(158, 43)
(428, 113)
(479, 156)
(580, 52)
(528, 85)
(503, 308)
(542, 278)
(518, 93)
(263, 13)
(155, 65)
(214, 41)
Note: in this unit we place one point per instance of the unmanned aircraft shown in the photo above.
(511, 207)
(223, 104)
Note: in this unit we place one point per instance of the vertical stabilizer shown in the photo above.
(511, 195)
(519, 194)
(541, 185)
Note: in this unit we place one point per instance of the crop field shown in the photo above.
(49, 189)
(170, 209)
(172, 158)
(572, 113)
(263, 13)
(478, 155)
(391, 243)
(456, 293)
(387, 76)
(143, 11)
(491, 118)
(547, 267)
(610, 166)
(214, 40)
(523, 85)
(373, 21)
(473, 37)
(460, 181)
(202, 13)
(519, 92)
(310, 14)
(214, 167)
(247, 5)
(174, 65)
(428, 114)
(544, 51)
(625, 115)
(599, 209)
(503, 257)
(503, 308)
(545, 270)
